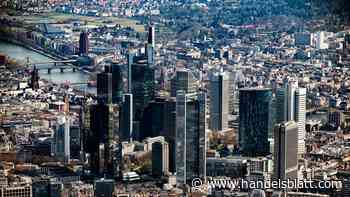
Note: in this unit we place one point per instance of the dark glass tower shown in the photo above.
(254, 121)
(104, 87)
(142, 85)
(103, 123)
(190, 137)
(34, 80)
(83, 43)
(286, 150)
(117, 83)
(126, 127)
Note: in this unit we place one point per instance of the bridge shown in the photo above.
(56, 64)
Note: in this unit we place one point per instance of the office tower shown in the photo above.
(149, 54)
(291, 105)
(345, 191)
(254, 121)
(160, 158)
(56, 189)
(104, 86)
(61, 144)
(159, 119)
(285, 151)
(257, 193)
(335, 118)
(84, 43)
(117, 83)
(130, 62)
(300, 118)
(151, 36)
(126, 123)
(34, 80)
(219, 102)
(104, 188)
(86, 132)
(23, 190)
(142, 85)
(153, 119)
(303, 39)
(184, 80)
(75, 142)
(103, 125)
(347, 41)
(190, 137)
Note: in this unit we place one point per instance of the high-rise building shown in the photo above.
(117, 83)
(184, 80)
(303, 39)
(190, 137)
(126, 123)
(285, 150)
(149, 54)
(84, 43)
(300, 118)
(160, 158)
(104, 86)
(24, 190)
(103, 125)
(254, 121)
(219, 102)
(151, 36)
(159, 119)
(75, 141)
(143, 77)
(130, 62)
(62, 139)
(34, 80)
(104, 187)
(291, 105)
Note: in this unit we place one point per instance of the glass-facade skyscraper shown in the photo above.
(142, 84)
(190, 137)
(61, 147)
(219, 102)
(117, 82)
(285, 150)
(254, 121)
(291, 105)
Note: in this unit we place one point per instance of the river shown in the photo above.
(20, 53)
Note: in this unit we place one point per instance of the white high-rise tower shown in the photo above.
(291, 105)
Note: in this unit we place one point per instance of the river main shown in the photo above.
(20, 53)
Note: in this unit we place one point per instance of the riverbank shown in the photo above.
(77, 80)
(44, 52)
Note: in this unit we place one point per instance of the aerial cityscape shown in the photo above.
(148, 98)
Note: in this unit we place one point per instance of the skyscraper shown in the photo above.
(61, 147)
(104, 86)
(103, 124)
(151, 36)
(291, 105)
(300, 118)
(159, 119)
(254, 121)
(126, 123)
(142, 85)
(160, 158)
(190, 137)
(34, 80)
(184, 80)
(104, 187)
(84, 43)
(130, 62)
(117, 83)
(219, 102)
(285, 151)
